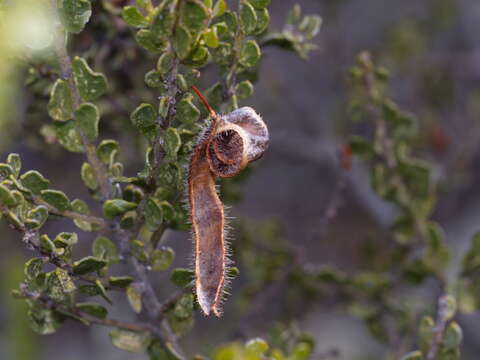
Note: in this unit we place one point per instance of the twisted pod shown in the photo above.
(226, 146)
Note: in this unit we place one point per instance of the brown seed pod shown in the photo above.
(227, 145)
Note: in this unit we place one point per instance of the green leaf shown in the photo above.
(34, 181)
(211, 37)
(43, 321)
(88, 117)
(59, 285)
(167, 210)
(116, 207)
(163, 105)
(165, 62)
(46, 245)
(417, 177)
(68, 136)
(310, 25)
(93, 309)
(145, 4)
(244, 89)
(153, 214)
(74, 14)
(6, 197)
(263, 20)
(105, 150)
(33, 268)
(250, 53)
(181, 83)
(219, 8)
(60, 105)
(171, 143)
(65, 239)
(425, 332)
(215, 95)
(144, 118)
(248, 18)
(230, 19)
(301, 351)
(81, 207)
(136, 342)
(87, 265)
(95, 290)
(104, 248)
(182, 277)
(163, 21)
(159, 351)
(453, 336)
(361, 147)
(133, 17)
(191, 77)
(133, 193)
(139, 251)
(57, 199)
(256, 347)
(120, 281)
(295, 15)
(414, 355)
(162, 259)
(194, 15)
(260, 4)
(5, 171)
(15, 163)
(183, 41)
(134, 298)
(128, 220)
(88, 176)
(153, 79)
(184, 307)
(91, 85)
(146, 39)
(200, 56)
(39, 215)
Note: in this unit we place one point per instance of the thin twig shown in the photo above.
(440, 325)
(67, 74)
(388, 151)
(83, 317)
(71, 214)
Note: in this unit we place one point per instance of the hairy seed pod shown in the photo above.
(227, 145)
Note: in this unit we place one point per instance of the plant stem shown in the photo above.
(440, 325)
(83, 317)
(71, 214)
(388, 152)
(65, 63)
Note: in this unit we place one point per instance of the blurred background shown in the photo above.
(298, 196)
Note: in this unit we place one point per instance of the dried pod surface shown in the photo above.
(228, 144)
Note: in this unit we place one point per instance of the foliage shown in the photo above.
(181, 38)
(183, 42)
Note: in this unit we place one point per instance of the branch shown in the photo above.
(32, 242)
(71, 214)
(443, 316)
(388, 151)
(83, 317)
(229, 82)
(67, 74)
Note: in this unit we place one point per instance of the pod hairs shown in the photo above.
(228, 144)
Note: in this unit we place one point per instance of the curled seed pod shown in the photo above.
(226, 146)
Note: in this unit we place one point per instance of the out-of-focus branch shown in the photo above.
(442, 318)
